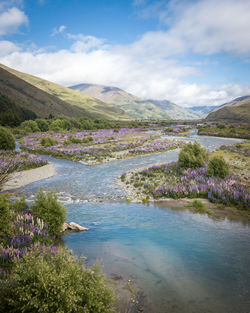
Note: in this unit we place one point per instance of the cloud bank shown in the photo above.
(149, 67)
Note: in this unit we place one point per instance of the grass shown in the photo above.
(199, 207)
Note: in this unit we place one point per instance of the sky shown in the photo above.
(194, 52)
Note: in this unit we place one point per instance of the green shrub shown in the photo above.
(42, 124)
(218, 167)
(5, 215)
(192, 155)
(60, 125)
(30, 126)
(7, 140)
(48, 141)
(50, 210)
(198, 204)
(19, 204)
(47, 281)
(73, 139)
(221, 126)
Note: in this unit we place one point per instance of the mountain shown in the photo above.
(238, 110)
(132, 105)
(175, 111)
(17, 93)
(44, 97)
(204, 109)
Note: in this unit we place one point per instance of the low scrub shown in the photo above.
(55, 281)
(218, 167)
(7, 140)
(50, 210)
(192, 155)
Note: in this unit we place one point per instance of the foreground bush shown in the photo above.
(7, 140)
(50, 210)
(192, 155)
(218, 167)
(48, 280)
(5, 216)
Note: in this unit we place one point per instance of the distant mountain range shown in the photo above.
(175, 111)
(132, 105)
(204, 109)
(30, 96)
(237, 110)
(135, 106)
(44, 98)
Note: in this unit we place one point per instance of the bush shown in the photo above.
(198, 204)
(5, 215)
(7, 140)
(60, 125)
(192, 155)
(42, 124)
(30, 126)
(218, 167)
(48, 141)
(52, 212)
(55, 281)
(73, 139)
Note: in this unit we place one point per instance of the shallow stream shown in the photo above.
(180, 262)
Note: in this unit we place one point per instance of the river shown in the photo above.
(179, 261)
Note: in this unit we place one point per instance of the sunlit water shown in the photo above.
(182, 262)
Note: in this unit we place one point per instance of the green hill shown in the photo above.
(12, 114)
(132, 105)
(237, 110)
(74, 103)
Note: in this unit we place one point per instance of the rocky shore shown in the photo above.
(20, 179)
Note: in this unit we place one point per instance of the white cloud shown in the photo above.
(11, 20)
(7, 47)
(148, 68)
(204, 27)
(84, 43)
(158, 79)
(58, 30)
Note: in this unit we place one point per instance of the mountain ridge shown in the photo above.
(237, 110)
(135, 106)
(92, 107)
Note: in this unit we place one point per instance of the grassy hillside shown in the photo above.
(132, 105)
(85, 104)
(12, 114)
(28, 97)
(237, 110)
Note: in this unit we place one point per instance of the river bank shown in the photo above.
(23, 178)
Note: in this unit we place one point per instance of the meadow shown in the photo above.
(170, 181)
(97, 146)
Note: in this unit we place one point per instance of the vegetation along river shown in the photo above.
(178, 260)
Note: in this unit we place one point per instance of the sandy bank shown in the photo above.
(23, 178)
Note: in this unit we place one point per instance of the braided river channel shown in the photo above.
(176, 261)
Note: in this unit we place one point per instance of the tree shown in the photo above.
(50, 210)
(218, 167)
(192, 155)
(7, 140)
(30, 126)
(42, 124)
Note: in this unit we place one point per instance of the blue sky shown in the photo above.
(189, 52)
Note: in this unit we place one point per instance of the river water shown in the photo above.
(179, 261)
